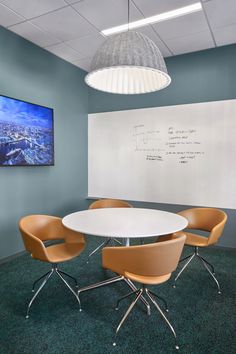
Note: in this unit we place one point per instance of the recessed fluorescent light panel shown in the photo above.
(154, 19)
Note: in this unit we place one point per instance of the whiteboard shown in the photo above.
(184, 154)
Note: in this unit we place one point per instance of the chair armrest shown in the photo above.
(35, 246)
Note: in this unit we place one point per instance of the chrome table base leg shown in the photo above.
(118, 242)
(114, 280)
(103, 244)
(101, 283)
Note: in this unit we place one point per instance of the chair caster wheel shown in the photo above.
(174, 286)
(80, 310)
(116, 308)
(219, 292)
(177, 347)
(32, 290)
(27, 316)
(167, 310)
(114, 344)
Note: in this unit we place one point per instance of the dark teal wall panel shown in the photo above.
(30, 73)
(208, 75)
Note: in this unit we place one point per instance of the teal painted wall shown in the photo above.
(208, 75)
(30, 73)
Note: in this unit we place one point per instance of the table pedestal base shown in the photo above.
(114, 280)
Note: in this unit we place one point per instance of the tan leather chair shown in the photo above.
(107, 203)
(150, 264)
(205, 219)
(35, 229)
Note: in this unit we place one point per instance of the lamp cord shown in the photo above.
(128, 13)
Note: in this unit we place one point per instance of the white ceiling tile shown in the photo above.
(225, 35)
(34, 34)
(83, 64)
(190, 43)
(8, 17)
(64, 24)
(78, 22)
(104, 14)
(180, 26)
(87, 45)
(220, 13)
(33, 8)
(150, 33)
(64, 52)
(154, 7)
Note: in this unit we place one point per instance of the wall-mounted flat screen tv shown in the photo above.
(26, 133)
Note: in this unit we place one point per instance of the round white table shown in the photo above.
(124, 223)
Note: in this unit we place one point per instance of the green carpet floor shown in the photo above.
(204, 321)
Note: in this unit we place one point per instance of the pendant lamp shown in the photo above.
(128, 63)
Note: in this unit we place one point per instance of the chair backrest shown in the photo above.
(206, 219)
(109, 203)
(37, 228)
(155, 259)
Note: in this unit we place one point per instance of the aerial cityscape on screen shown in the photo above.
(26, 133)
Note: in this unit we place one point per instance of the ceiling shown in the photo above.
(71, 29)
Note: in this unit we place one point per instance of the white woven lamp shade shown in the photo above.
(128, 63)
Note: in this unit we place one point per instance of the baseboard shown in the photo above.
(13, 256)
(16, 255)
(225, 247)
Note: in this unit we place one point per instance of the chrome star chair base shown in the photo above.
(210, 220)
(37, 229)
(151, 295)
(45, 278)
(209, 267)
(145, 264)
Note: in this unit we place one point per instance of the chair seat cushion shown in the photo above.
(195, 240)
(143, 279)
(64, 251)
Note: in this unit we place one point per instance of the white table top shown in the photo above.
(124, 222)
